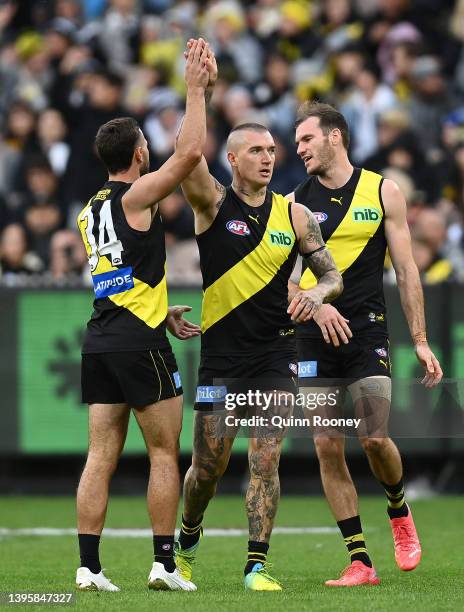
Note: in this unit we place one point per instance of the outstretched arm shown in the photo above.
(408, 279)
(146, 191)
(203, 192)
(317, 257)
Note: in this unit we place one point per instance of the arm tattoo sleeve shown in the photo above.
(312, 239)
(320, 262)
(222, 193)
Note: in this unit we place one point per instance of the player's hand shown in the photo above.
(431, 365)
(196, 71)
(333, 326)
(304, 305)
(180, 327)
(211, 64)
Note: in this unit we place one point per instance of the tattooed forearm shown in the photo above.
(320, 262)
(222, 193)
(330, 282)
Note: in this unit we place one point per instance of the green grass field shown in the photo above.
(301, 562)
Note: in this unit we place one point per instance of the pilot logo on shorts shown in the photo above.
(307, 369)
(239, 228)
(177, 380)
(320, 216)
(381, 352)
(293, 368)
(211, 393)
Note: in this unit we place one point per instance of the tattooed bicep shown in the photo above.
(221, 193)
(312, 237)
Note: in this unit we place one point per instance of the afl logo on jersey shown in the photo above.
(240, 228)
(320, 216)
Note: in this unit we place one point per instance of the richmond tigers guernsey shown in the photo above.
(246, 258)
(128, 274)
(351, 220)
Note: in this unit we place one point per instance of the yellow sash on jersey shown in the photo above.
(254, 271)
(356, 228)
(150, 304)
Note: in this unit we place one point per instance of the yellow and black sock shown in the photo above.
(397, 506)
(257, 553)
(190, 533)
(354, 539)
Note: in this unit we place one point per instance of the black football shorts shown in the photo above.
(136, 378)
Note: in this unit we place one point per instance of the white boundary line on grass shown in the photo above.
(147, 533)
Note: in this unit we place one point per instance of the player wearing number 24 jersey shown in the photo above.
(127, 362)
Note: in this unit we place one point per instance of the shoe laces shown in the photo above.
(184, 554)
(104, 575)
(404, 536)
(264, 573)
(350, 570)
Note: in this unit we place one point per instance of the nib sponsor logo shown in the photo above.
(279, 238)
(366, 214)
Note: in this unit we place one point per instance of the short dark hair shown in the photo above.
(253, 127)
(329, 119)
(116, 141)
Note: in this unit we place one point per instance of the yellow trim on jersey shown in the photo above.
(356, 228)
(150, 304)
(254, 271)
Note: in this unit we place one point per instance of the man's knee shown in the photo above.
(374, 446)
(264, 462)
(168, 451)
(207, 472)
(102, 461)
(329, 449)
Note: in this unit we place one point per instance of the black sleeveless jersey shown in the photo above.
(246, 258)
(128, 274)
(351, 220)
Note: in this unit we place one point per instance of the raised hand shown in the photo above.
(196, 71)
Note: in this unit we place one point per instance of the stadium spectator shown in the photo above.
(51, 132)
(362, 109)
(429, 246)
(237, 52)
(396, 72)
(14, 255)
(85, 173)
(177, 218)
(274, 94)
(162, 123)
(431, 99)
(67, 255)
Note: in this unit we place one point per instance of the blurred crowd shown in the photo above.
(395, 68)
